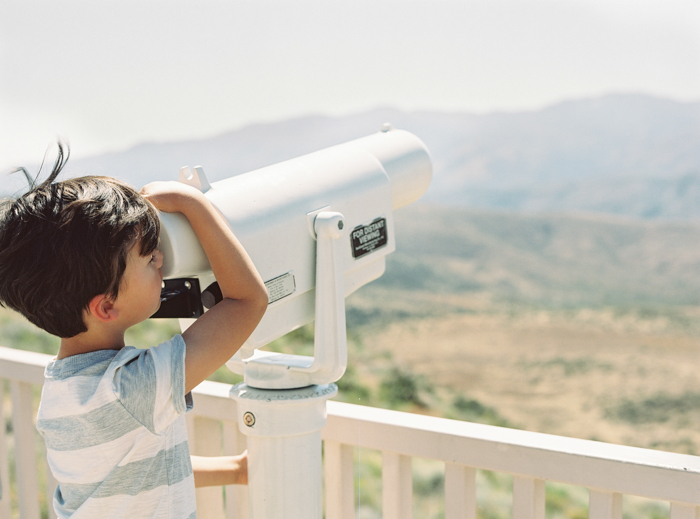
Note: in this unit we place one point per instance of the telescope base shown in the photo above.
(283, 428)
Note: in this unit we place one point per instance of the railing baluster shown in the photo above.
(460, 492)
(51, 485)
(604, 505)
(340, 484)
(25, 456)
(208, 442)
(684, 511)
(236, 495)
(397, 486)
(4, 462)
(528, 498)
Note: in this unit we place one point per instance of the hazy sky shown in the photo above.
(108, 74)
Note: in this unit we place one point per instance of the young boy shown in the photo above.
(80, 259)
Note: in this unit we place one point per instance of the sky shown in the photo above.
(105, 75)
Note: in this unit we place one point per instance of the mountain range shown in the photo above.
(630, 155)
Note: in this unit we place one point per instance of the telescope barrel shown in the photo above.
(271, 210)
(405, 160)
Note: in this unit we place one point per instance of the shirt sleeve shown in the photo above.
(150, 384)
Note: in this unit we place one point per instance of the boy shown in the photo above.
(79, 259)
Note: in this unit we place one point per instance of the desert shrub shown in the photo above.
(657, 408)
(474, 411)
(401, 387)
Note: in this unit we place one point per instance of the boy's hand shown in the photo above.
(170, 197)
(220, 470)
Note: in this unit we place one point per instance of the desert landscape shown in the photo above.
(549, 281)
(591, 374)
(597, 349)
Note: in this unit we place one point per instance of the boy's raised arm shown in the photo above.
(221, 331)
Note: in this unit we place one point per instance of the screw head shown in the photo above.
(249, 419)
(340, 224)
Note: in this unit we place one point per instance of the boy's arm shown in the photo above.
(220, 470)
(218, 334)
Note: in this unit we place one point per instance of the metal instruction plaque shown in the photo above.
(280, 287)
(369, 237)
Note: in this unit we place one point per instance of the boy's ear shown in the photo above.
(102, 308)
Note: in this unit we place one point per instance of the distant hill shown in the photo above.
(549, 261)
(630, 155)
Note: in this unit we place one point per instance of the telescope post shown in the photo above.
(281, 405)
(283, 424)
(283, 427)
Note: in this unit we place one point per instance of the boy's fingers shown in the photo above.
(169, 196)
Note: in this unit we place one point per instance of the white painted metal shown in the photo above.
(4, 462)
(25, 458)
(317, 228)
(267, 370)
(460, 492)
(285, 478)
(528, 498)
(397, 486)
(195, 178)
(684, 511)
(604, 505)
(269, 210)
(283, 428)
(339, 479)
(405, 160)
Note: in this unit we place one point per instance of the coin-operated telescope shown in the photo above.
(317, 228)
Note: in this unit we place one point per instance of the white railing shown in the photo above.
(607, 471)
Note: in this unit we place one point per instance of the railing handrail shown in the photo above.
(614, 468)
(596, 465)
(23, 366)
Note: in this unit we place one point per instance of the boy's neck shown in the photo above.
(90, 341)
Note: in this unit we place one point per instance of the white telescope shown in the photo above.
(276, 213)
(317, 228)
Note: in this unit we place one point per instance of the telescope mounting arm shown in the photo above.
(268, 370)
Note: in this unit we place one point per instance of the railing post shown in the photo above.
(460, 492)
(25, 454)
(604, 505)
(684, 511)
(51, 485)
(4, 463)
(397, 486)
(236, 495)
(207, 441)
(528, 498)
(339, 477)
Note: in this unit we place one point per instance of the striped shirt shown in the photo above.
(116, 440)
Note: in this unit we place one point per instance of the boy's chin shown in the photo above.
(157, 307)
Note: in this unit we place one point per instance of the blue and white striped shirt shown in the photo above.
(116, 439)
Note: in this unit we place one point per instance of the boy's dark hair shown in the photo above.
(63, 243)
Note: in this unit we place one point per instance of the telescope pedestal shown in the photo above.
(317, 228)
(283, 428)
